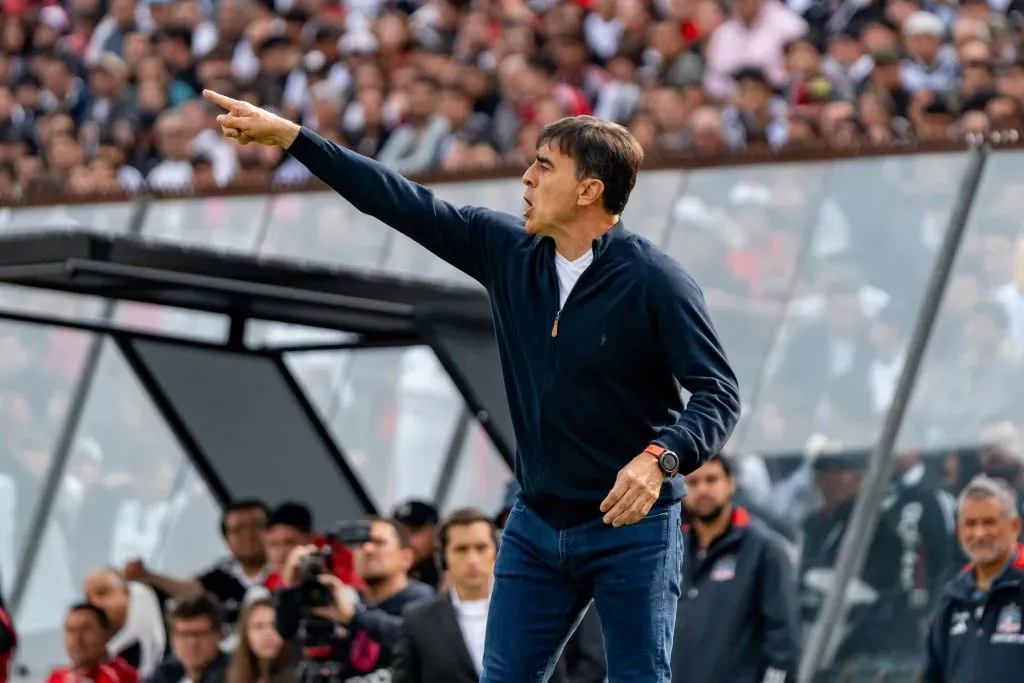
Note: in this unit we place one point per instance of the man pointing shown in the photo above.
(596, 330)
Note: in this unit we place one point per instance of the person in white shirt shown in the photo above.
(443, 639)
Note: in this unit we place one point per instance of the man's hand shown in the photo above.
(637, 488)
(343, 609)
(135, 570)
(247, 123)
(290, 573)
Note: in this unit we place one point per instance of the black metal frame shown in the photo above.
(174, 421)
(332, 446)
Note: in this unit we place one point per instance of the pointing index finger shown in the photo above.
(224, 101)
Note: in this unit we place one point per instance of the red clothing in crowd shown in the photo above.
(11, 640)
(344, 568)
(114, 670)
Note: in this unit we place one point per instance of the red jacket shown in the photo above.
(10, 640)
(114, 670)
(344, 568)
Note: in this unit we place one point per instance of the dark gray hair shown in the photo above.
(983, 487)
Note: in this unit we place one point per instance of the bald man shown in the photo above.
(136, 620)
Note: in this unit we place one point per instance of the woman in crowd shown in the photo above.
(261, 655)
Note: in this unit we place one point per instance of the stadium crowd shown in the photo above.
(101, 95)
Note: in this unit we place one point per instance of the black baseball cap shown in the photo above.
(416, 514)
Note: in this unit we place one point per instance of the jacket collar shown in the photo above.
(739, 523)
(962, 586)
(617, 233)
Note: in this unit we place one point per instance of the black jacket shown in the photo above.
(432, 648)
(978, 640)
(634, 325)
(171, 671)
(737, 617)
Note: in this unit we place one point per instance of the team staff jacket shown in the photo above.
(590, 393)
(737, 619)
(978, 638)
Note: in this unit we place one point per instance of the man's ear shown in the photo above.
(589, 192)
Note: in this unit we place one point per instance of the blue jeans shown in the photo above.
(546, 577)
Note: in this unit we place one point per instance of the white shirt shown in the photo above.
(472, 618)
(569, 272)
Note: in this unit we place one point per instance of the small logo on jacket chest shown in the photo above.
(724, 569)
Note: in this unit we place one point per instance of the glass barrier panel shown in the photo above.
(41, 302)
(172, 321)
(324, 227)
(39, 369)
(110, 218)
(393, 413)
(127, 492)
(971, 383)
(481, 475)
(649, 210)
(841, 344)
(219, 223)
(741, 233)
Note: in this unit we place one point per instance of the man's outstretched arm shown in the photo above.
(472, 239)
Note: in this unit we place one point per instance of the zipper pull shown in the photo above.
(554, 328)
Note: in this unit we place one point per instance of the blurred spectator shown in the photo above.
(243, 527)
(737, 618)
(195, 626)
(369, 630)
(261, 655)
(291, 525)
(137, 630)
(870, 596)
(923, 517)
(86, 630)
(420, 520)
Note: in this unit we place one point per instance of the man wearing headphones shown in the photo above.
(443, 639)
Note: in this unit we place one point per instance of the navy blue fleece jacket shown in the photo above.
(587, 401)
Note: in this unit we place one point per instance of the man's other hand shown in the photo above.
(637, 488)
(343, 609)
(247, 123)
(135, 570)
(290, 574)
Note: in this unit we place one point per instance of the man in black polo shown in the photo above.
(976, 633)
(737, 617)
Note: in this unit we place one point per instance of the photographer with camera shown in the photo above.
(345, 637)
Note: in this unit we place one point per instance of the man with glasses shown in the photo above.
(195, 627)
(243, 526)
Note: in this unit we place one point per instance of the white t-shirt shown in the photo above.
(472, 618)
(569, 272)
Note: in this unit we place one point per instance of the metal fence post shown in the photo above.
(866, 512)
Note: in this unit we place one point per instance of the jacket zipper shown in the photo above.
(554, 363)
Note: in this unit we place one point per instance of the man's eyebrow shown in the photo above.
(541, 159)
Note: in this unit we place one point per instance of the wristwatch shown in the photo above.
(668, 461)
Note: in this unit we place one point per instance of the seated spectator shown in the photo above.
(260, 656)
(243, 526)
(366, 633)
(195, 626)
(86, 630)
(138, 633)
